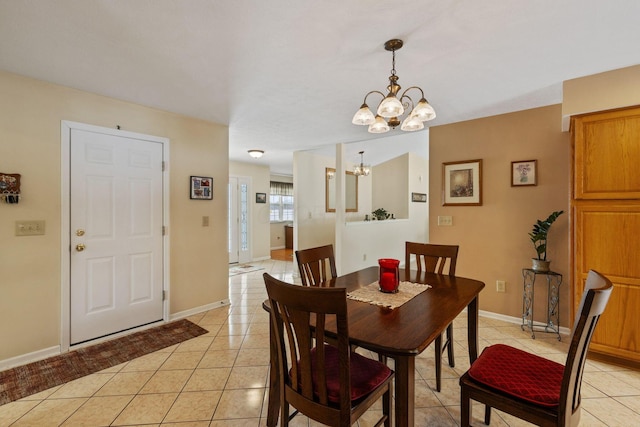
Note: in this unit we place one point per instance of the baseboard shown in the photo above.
(262, 258)
(515, 320)
(278, 247)
(198, 310)
(23, 359)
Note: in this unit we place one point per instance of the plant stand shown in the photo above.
(554, 280)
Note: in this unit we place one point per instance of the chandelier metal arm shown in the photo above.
(373, 91)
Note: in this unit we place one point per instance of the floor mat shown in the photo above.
(244, 268)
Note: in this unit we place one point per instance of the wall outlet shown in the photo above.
(364, 257)
(501, 286)
(29, 228)
(205, 221)
(445, 220)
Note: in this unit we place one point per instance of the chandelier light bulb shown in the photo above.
(379, 126)
(390, 107)
(424, 111)
(363, 116)
(362, 169)
(411, 123)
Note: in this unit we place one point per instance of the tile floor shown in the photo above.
(219, 379)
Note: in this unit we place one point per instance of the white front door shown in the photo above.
(116, 229)
(239, 233)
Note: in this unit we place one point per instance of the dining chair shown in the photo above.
(313, 264)
(531, 387)
(439, 259)
(329, 384)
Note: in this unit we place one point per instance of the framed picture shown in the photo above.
(419, 197)
(261, 197)
(201, 187)
(462, 183)
(524, 172)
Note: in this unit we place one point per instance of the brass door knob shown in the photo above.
(79, 247)
(79, 232)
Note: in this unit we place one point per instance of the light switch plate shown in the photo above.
(29, 228)
(445, 220)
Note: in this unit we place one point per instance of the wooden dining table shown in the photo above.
(401, 333)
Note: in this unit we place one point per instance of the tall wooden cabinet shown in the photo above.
(606, 224)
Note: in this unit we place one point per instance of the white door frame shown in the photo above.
(65, 226)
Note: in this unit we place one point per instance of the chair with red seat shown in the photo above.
(329, 384)
(531, 387)
(439, 259)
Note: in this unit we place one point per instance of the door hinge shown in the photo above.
(164, 230)
(164, 295)
(163, 165)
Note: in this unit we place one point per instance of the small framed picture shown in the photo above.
(462, 183)
(419, 197)
(201, 187)
(524, 172)
(261, 197)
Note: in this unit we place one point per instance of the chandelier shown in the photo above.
(362, 169)
(392, 106)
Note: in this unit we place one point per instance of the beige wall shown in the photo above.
(31, 112)
(391, 186)
(493, 238)
(260, 228)
(598, 92)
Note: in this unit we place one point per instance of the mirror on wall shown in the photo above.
(351, 189)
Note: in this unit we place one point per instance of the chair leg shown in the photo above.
(438, 345)
(465, 408)
(452, 361)
(386, 405)
(487, 414)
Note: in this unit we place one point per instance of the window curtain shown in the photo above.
(281, 188)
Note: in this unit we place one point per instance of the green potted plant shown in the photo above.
(380, 214)
(538, 237)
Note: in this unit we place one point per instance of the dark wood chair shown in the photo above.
(439, 259)
(315, 265)
(531, 387)
(327, 383)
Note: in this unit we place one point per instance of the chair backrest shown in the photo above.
(313, 264)
(293, 309)
(432, 258)
(594, 300)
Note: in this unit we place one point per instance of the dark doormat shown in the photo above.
(21, 381)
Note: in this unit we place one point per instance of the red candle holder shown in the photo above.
(389, 279)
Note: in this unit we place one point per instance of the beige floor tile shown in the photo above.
(82, 387)
(51, 412)
(167, 381)
(43, 394)
(243, 403)
(609, 384)
(218, 359)
(611, 412)
(226, 342)
(208, 379)
(185, 360)
(253, 357)
(194, 406)
(125, 383)
(195, 344)
(149, 362)
(14, 410)
(146, 409)
(246, 422)
(437, 416)
(247, 377)
(98, 411)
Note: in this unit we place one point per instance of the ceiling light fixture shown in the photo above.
(362, 169)
(256, 154)
(392, 107)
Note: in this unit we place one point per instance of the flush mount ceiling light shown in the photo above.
(256, 154)
(392, 106)
(362, 169)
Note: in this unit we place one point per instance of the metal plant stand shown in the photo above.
(554, 280)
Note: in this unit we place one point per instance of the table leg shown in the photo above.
(472, 329)
(274, 380)
(405, 390)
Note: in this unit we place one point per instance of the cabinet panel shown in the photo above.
(606, 155)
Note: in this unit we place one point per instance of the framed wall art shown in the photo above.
(524, 172)
(419, 197)
(462, 183)
(201, 188)
(261, 197)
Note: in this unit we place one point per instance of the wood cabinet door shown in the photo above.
(606, 240)
(607, 155)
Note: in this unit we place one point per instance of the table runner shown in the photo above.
(372, 295)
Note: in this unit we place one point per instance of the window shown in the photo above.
(281, 201)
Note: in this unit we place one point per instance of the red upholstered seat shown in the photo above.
(366, 374)
(520, 374)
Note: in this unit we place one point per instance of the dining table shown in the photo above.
(401, 332)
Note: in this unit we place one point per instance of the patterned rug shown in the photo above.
(244, 268)
(35, 377)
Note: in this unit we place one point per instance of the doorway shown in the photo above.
(115, 205)
(239, 229)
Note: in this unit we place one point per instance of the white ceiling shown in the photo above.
(286, 75)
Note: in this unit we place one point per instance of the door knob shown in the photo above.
(79, 247)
